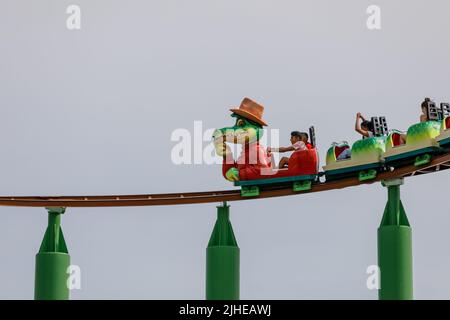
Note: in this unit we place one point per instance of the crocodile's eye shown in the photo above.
(240, 123)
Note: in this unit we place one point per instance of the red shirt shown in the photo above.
(251, 162)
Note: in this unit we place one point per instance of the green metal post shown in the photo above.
(222, 259)
(395, 248)
(52, 261)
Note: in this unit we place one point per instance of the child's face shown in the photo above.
(294, 139)
(364, 128)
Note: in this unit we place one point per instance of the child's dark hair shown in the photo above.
(368, 124)
(304, 135)
(297, 134)
(300, 135)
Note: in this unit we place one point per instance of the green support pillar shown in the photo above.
(222, 259)
(395, 248)
(52, 261)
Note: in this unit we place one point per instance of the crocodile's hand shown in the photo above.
(232, 174)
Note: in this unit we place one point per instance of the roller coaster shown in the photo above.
(381, 158)
(437, 164)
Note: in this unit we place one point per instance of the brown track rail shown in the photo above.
(438, 163)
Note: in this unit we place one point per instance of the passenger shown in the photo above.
(424, 106)
(299, 141)
(364, 126)
(423, 118)
(366, 129)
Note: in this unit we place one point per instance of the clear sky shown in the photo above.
(91, 111)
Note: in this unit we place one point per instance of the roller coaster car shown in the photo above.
(302, 171)
(420, 144)
(444, 138)
(364, 161)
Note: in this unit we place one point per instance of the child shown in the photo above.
(299, 141)
(364, 127)
(424, 105)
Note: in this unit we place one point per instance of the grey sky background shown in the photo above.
(92, 111)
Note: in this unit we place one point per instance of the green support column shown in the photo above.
(395, 248)
(222, 259)
(52, 261)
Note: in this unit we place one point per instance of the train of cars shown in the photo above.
(366, 157)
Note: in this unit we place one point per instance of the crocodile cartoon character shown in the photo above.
(247, 131)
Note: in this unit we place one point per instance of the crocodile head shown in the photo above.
(243, 132)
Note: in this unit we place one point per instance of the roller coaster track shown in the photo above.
(438, 163)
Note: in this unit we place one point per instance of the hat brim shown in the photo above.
(249, 116)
